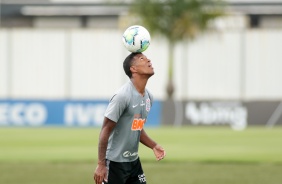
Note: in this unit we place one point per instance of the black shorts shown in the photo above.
(125, 172)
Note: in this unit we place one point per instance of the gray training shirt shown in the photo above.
(129, 110)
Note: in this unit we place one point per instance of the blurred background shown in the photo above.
(54, 52)
(61, 61)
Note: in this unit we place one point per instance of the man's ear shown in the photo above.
(133, 69)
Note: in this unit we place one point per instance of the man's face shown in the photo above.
(142, 65)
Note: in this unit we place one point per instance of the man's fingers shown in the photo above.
(160, 155)
(159, 152)
(106, 177)
(101, 180)
(98, 179)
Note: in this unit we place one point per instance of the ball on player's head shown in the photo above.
(136, 38)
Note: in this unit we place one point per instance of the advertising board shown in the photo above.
(70, 113)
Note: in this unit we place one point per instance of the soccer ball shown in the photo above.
(136, 38)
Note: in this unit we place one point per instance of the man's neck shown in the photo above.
(139, 84)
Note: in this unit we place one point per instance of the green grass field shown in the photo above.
(214, 155)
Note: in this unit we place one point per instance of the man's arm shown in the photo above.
(100, 173)
(157, 149)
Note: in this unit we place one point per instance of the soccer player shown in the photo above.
(122, 130)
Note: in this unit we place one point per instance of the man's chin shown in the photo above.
(151, 74)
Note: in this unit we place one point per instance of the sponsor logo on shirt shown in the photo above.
(137, 124)
(129, 154)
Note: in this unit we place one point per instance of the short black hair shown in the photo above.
(128, 63)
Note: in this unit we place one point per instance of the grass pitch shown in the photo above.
(214, 155)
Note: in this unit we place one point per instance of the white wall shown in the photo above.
(213, 67)
(264, 64)
(87, 63)
(96, 69)
(3, 63)
(38, 63)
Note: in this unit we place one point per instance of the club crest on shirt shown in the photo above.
(148, 104)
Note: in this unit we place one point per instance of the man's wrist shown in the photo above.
(102, 162)
(154, 146)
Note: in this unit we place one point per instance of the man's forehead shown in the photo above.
(138, 56)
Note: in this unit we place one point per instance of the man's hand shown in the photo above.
(159, 152)
(100, 173)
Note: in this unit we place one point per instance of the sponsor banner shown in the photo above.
(236, 114)
(71, 113)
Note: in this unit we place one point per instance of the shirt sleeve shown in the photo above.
(151, 97)
(116, 107)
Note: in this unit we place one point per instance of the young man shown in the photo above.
(122, 130)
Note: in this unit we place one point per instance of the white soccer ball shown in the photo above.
(136, 38)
